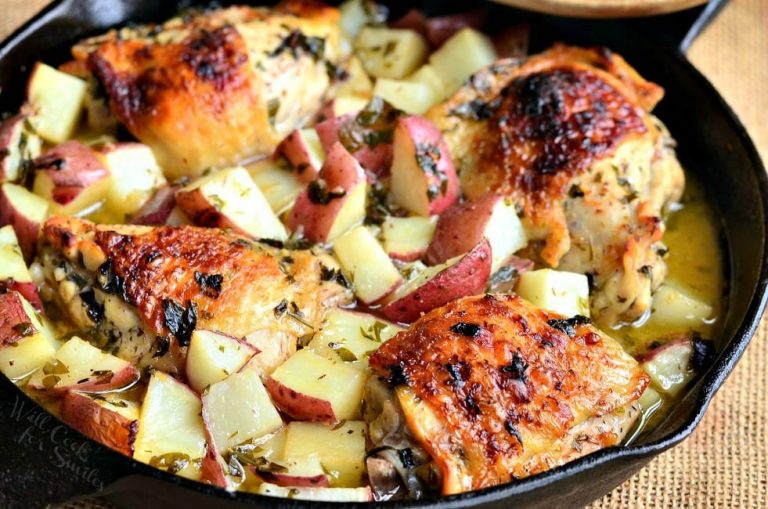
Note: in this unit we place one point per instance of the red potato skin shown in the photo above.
(439, 29)
(297, 481)
(468, 276)
(28, 290)
(8, 129)
(442, 28)
(296, 152)
(512, 42)
(300, 406)
(98, 422)
(12, 315)
(157, 209)
(376, 160)
(414, 130)
(72, 167)
(460, 228)
(27, 230)
(340, 170)
(123, 378)
(212, 469)
(652, 354)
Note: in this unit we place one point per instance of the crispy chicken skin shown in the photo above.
(213, 88)
(495, 389)
(568, 135)
(143, 290)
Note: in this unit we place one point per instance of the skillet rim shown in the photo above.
(709, 383)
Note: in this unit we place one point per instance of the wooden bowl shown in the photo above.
(603, 8)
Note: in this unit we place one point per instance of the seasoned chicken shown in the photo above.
(213, 88)
(568, 135)
(143, 290)
(494, 389)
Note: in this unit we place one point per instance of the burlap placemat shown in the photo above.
(724, 464)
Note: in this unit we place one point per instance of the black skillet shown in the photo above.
(44, 462)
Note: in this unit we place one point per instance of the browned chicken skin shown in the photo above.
(143, 290)
(495, 389)
(214, 88)
(568, 135)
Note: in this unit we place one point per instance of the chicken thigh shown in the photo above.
(143, 290)
(493, 389)
(567, 134)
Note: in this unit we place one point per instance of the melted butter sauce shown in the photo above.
(696, 266)
(695, 263)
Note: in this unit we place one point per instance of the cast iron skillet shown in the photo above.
(43, 461)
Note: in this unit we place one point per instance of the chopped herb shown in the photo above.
(471, 330)
(318, 192)
(296, 43)
(512, 430)
(330, 274)
(575, 191)
(179, 321)
(273, 106)
(346, 354)
(24, 329)
(217, 202)
(173, 462)
(397, 375)
(476, 109)
(455, 371)
(161, 346)
(568, 326)
(281, 308)
(210, 284)
(376, 204)
(517, 368)
(374, 331)
(55, 367)
(93, 308)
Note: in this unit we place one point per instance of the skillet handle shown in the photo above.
(681, 28)
(706, 17)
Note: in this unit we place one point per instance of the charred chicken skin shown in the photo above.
(494, 389)
(568, 135)
(144, 290)
(213, 88)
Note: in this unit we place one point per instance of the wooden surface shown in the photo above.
(603, 8)
(724, 464)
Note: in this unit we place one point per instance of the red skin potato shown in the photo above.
(157, 209)
(340, 170)
(13, 314)
(298, 481)
(442, 28)
(468, 276)
(98, 422)
(212, 469)
(683, 342)
(376, 160)
(300, 406)
(28, 290)
(412, 131)
(72, 167)
(512, 42)
(439, 29)
(460, 228)
(295, 150)
(123, 378)
(27, 229)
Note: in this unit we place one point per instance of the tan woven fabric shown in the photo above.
(725, 463)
